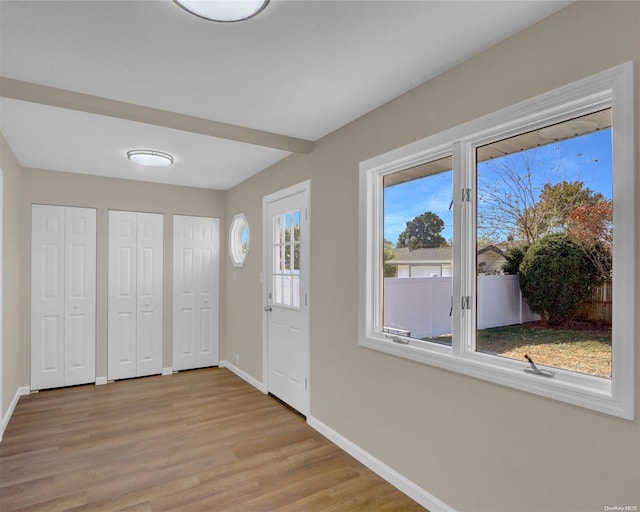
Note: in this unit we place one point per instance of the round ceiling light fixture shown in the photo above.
(224, 11)
(150, 158)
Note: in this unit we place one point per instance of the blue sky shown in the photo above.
(586, 158)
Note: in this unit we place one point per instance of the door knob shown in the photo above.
(268, 308)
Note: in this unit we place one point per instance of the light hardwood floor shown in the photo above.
(202, 440)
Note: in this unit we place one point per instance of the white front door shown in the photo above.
(287, 337)
(195, 292)
(63, 296)
(135, 294)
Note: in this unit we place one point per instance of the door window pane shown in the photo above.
(286, 261)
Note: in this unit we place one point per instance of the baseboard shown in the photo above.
(167, 371)
(21, 391)
(400, 482)
(101, 381)
(244, 376)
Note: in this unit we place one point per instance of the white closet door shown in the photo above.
(63, 296)
(135, 294)
(195, 292)
(47, 297)
(149, 294)
(80, 296)
(122, 302)
(184, 294)
(207, 261)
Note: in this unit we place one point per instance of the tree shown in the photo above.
(506, 202)
(514, 257)
(591, 225)
(423, 232)
(514, 202)
(389, 253)
(555, 277)
(557, 201)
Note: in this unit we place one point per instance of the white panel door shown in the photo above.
(195, 292)
(135, 295)
(149, 296)
(63, 296)
(47, 297)
(122, 302)
(286, 239)
(80, 296)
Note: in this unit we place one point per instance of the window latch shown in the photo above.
(535, 370)
(397, 339)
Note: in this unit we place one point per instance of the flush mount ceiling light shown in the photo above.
(224, 11)
(150, 158)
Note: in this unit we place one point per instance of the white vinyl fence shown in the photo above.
(421, 306)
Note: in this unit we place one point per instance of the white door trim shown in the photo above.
(305, 187)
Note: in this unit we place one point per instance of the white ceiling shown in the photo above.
(299, 69)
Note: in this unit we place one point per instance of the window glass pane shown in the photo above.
(286, 293)
(296, 258)
(296, 226)
(277, 289)
(545, 246)
(287, 258)
(295, 289)
(288, 226)
(277, 231)
(277, 259)
(244, 238)
(418, 233)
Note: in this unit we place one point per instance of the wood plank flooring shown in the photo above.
(202, 440)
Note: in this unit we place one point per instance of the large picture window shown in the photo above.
(504, 248)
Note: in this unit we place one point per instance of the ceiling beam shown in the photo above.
(54, 97)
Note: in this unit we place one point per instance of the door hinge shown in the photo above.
(466, 302)
(306, 214)
(466, 195)
(305, 300)
(305, 383)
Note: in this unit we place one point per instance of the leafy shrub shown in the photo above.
(555, 276)
(514, 257)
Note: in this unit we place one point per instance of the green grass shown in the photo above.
(585, 348)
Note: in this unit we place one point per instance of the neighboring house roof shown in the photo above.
(405, 256)
(491, 247)
(431, 255)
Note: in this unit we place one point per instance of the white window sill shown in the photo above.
(594, 393)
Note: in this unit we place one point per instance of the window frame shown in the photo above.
(237, 253)
(611, 88)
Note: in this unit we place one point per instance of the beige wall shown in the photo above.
(12, 259)
(68, 189)
(474, 445)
